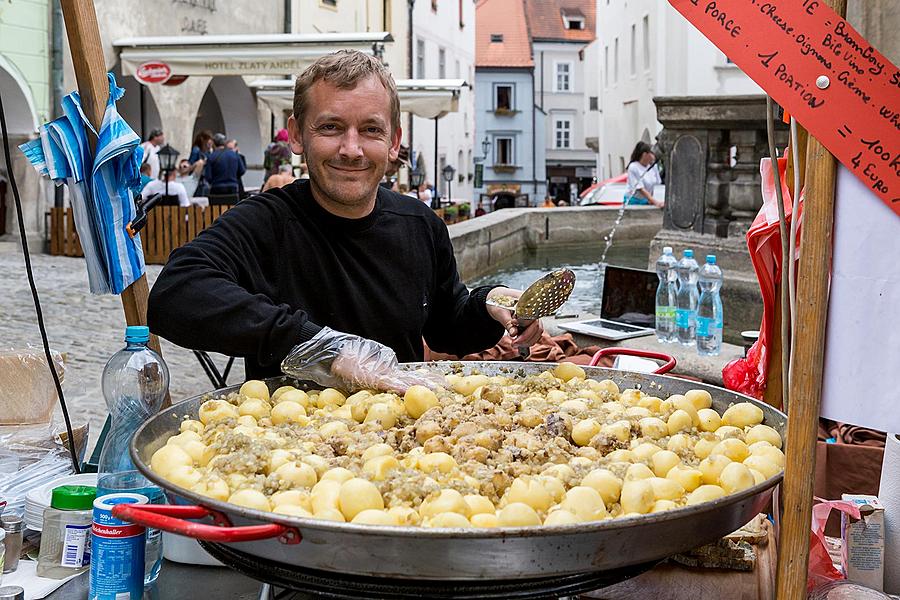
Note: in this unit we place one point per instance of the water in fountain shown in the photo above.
(629, 192)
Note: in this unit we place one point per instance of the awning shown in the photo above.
(263, 54)
(427, 98)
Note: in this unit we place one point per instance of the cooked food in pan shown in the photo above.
(549, 449)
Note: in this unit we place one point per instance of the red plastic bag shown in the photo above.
(748, 375)
(821, 569)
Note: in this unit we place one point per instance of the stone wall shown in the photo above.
(480, 244)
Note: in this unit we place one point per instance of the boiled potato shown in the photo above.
(733, 448)
(584, 431)
(606, 483)
(562, 472)
(645, 451)
(620, 430)
(552, 485)
(763, 433)
(278, 457)
(357, 495)
(330, 514)
(606, 386)
(383, 414)
(255, 408)
(212, 486)
(436, 461)
(712, 466)
(573, 406)
(467, 385)
(585, 503)
(637, 412)
(621, 455)
(679, 421)
(250, 499)
(736, 477)
(293, 395)
(248, 422)
(479, 504)
(292, 510)
(682, 403)
(184, 476)
(666, 489)
(704, 447)
(448, 519)
(316, 462)
(214, 411)
(530, 492)
(295, 497)
(379, 467)
(333, 428)
(709, 419)
(168, 457)
(518, 514)
(419, 399)
(742, 414)
(288, 412)
(561, 517)
(298, 474)
(729, 431)
(277, 393)
(324, 496)
(447, 500)
(568, 371)
(763, 465)
(330, 397)
(663, 461)
(405, 515)
(663, 505)
(485, 520)
(688, 478)
(637, 496)
(191, 425)
(339, 474)
(680, 443)
(255, 389)
(770, 452)
(699, 398)
(705, 493)
(638, 471)
(653, 427)
(372, 516)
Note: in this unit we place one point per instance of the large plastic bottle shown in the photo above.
(665, 296)
(686, 299)
(709, 309)
(135, 382)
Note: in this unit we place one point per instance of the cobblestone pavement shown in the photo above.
(88, 328)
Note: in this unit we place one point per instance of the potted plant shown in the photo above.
(450, 214)
(465, 210)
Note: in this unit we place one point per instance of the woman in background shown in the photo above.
(643, 176)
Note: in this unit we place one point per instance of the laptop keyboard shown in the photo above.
(607, 324)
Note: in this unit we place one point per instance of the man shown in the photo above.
(151, 147)
(158, 186)
(186, 176)
(284, 176)
(223, 169)
(297, 265)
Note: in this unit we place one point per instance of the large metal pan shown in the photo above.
(460, 554)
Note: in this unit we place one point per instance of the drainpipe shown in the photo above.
(534, 182)
(288, 16)
(409, 74)
(57, 91)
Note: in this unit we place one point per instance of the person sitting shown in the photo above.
(548, 202)
(145, 175)
(479, 211)
(643, 176)
(284, 176)
(159, 186)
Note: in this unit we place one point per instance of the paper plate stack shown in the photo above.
(38, 499)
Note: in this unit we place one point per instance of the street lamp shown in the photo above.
(417, 176)
(485, 147)
(168, 156)
(448, 173)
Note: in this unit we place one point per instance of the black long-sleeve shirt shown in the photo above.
(273, 270)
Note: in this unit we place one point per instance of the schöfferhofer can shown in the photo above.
(117, 551)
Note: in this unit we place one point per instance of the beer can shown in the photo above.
(117, 551)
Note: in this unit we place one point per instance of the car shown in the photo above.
(611, 192)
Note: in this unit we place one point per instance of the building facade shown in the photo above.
(646, 49)
(561, 31)
(508, 126)
(25, 85)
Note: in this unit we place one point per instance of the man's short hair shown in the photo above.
(154, 133)
(219, 140)
(344, 69)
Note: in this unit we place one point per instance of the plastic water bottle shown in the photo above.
(665, 296)
(709, 309)
(135, 382)
(686, 299)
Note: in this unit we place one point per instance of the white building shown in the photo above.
(646, 49)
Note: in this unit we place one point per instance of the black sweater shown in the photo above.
(273, 270)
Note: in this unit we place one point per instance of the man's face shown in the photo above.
(347, 141)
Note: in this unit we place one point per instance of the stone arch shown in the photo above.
(129, 106)
(18, 104)
(237, 114)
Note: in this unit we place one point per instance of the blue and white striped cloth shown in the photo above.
(102, 188)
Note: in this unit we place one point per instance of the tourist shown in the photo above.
(284, 176)
(145, 175)
(277, 153)
(232, 144)
(158, 186)
(479, 210)
(223, 169)
(201, 148)
(548, 202)
(302, 263)
(187, 176)
(643, 176)
(425, 194)
(151, 147)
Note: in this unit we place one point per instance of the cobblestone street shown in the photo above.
(88, 328)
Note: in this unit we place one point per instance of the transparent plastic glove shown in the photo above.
(350, 362)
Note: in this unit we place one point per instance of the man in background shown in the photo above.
(159, 186)
(223, 169)
(284, 176)
(151, 147)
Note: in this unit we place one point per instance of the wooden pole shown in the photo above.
(90, 73)
(806, 378)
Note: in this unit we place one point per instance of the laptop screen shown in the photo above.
(629, 296)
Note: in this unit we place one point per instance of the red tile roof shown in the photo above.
(545, 19)
(507, 19)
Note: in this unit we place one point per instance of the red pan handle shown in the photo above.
(171, 518)
(669, 360)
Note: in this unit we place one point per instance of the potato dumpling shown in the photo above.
(168, 457)
(467, 385)
(606, 483)
(651, 403)
(637, 412)
(679, 421)
(298, 474)
(666, 489)
(637, 497)
(277, 393)
(699, 398)
(663, 505)
(250, 499)
(330, 397)
(645, 451)
(528, 491)
(568, 371)
(485, 520)
(733, 448)
(736, 477)
(663, 461)
(682, 403)
(294, 395)
(638, 471)
(584, 431)
(324, 495)
(333, 428)
(357, 495)
(742, 414)
(554, 487)
(705, 493)
(255, 388)
(330, 514)
(561, 517)
(213, 411)
(418, 399)
(711, 467)
(379, 467)
(763, 465)
(687, 477)
(704, 447)
(316, 462)
(479, 504)
(653, 427)
(292, 510)
(339, 474)
(405, 515)
(573, 406)
(770, 452)
(729, 431)
(381, 413)
(278, 457)
(288, 412)
(620, 430)
(585, 503)
(630, 397)
(191, 425)
(562, 472)
(621, 455)
(447, 500)
(212, 486)
(248, 422)
(448, 519)
(709, 419)
(518, 514)
(763, 433)
(372, 516)
(605, 386)
(184, 476)
(296, 497)
(680, 443)
(436, 461)
(556, 396)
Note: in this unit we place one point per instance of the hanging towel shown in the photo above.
(102, 187)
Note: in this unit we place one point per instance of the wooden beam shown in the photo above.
(83, 34)
(806, 378)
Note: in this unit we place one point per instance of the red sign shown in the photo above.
(822, 71)
(153, 72)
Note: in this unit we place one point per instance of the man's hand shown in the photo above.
(525, 333)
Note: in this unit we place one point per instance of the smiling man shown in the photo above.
(335, 264)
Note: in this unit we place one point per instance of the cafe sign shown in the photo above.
(153, 72)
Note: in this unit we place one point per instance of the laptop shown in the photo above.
(628, 307)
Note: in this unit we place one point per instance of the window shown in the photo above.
(646, 33)
(503, 151)
(616, 61)
(633, 56)
(329, 2)
(460, 167)
(606, 66)
(496, 38)
(563, 81)
(420, 58)
(573, 22)
(462, 22)
(442, 63)
(593, 103)
(503, 97)
(562, 133)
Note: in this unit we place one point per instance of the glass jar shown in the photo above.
(12, 526)
(66, 533)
